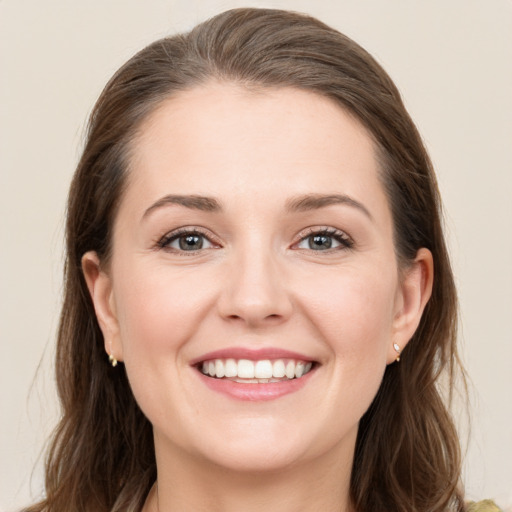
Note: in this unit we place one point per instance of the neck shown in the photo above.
(319, 484)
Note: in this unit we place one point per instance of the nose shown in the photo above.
(255, 292)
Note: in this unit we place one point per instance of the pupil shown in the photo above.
(191, 242)
(320, 242)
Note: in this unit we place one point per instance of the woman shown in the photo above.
(254, 239)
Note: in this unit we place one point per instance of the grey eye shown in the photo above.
(189, 242)
(319, 242)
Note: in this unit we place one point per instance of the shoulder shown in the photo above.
(483, 506)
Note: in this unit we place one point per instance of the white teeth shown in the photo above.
(299, 369)
(278, 370)
(219, 368)
(255, 381)
(290, 370)
(245, 369)
(262, 371)
(230, 368)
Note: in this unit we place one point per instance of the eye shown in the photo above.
(325, 240)
(185, 240)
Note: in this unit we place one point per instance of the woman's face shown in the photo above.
(254, 239)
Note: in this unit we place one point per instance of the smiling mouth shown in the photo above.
(246, 371)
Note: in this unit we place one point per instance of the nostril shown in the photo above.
(254, 293)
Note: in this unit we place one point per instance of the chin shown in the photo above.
(260, 445)
(257, 458)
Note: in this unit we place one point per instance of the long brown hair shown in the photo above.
(407, 454)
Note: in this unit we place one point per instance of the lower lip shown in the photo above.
(255, 392)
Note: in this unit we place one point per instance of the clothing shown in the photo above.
(483, 506)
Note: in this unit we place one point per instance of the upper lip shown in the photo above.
(251, 354)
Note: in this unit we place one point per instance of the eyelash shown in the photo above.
(339, 236)
(167, 239)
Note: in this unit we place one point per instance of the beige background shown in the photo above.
(452, 60)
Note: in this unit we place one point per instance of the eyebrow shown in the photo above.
(301, 203)
(316, 201)
(194, 202)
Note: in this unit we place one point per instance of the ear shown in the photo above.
(100, 288)
(413, 294)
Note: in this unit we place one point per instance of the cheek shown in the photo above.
(158, 312)
(355, 320)
(353, 311)
(156, 308)
(146, 318)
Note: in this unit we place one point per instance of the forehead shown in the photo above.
(223, 139)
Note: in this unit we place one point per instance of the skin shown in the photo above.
(256, 283)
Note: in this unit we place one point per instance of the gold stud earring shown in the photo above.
(396, 346)
(112, 360)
